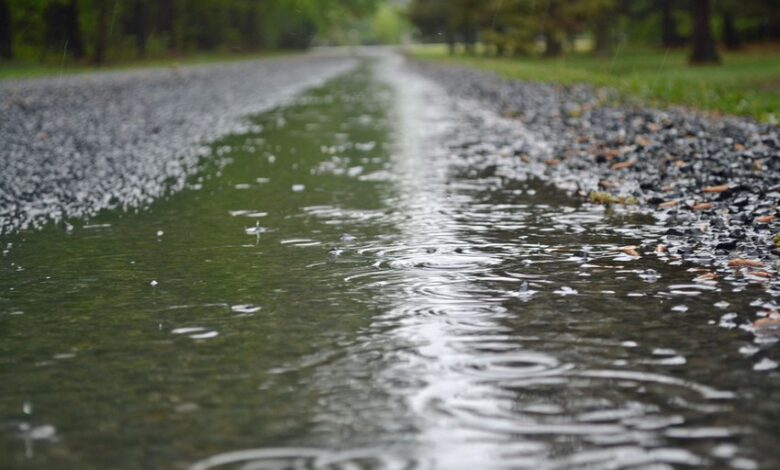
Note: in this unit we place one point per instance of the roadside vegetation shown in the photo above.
(720, 56)
(746, 83)
(52, 37)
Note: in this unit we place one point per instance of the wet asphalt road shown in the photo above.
(73, 146)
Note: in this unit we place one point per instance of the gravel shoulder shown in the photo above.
(76, 145)
(714, 183)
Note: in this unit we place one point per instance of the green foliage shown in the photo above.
(518, 27)
(747, 84)
(130, 29)
(388, 25)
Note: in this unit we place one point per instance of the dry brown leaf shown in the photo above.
(739, 147)
(765, 219)
(763, 274)
(611, 154)
(706, 277)
(771, 322)
(642, 141)
(630, 251)
(668, 204)
(702, 206)
(552, 162)
(745, 263)
(623, 165)
(721, 188)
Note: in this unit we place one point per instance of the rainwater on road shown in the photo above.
(341, 289)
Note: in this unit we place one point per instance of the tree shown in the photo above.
(6, 36)
(139, 26)
(704, 51)
(669, 35)
(75, 44)
(101, 36)
(729, 32)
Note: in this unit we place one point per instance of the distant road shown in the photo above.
(75, 145)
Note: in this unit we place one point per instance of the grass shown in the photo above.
(18, 70)
(747, 83)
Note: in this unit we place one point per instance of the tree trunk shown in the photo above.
(101, 38)
(470, 40)
(730, 36)
(164, 21)
(670, 37)
(6, 36)
(139, 27)
(704, 51)
(603, 37)
(552, 46)
(75, 44)
(180, 26)
(449, 37)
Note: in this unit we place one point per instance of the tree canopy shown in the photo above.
(100, 30)
(552, 27)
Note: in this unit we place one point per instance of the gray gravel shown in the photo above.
(74, 146)
(669, 162)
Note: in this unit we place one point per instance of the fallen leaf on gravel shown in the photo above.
(739, 147)
(630, 251)
(745, 263)
(763, 274)
(765, 219)
(668, 204)
(706, 277)
(598, 197)
(623, 165)
(642, 141)
(552, 162)
(771, 322)
(722, 188)
(702, 206)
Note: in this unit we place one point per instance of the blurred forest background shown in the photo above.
(116, 30)
(98, 31)
(555, 27)
(641, 47)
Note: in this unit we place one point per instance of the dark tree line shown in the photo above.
(101, 30)
(516, 26)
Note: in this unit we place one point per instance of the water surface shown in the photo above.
(343, 289)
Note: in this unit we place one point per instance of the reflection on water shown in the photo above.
(348, 289)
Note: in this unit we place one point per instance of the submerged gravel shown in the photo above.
(713, 182)
(74, 146)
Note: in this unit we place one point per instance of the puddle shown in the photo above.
(344, 289)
